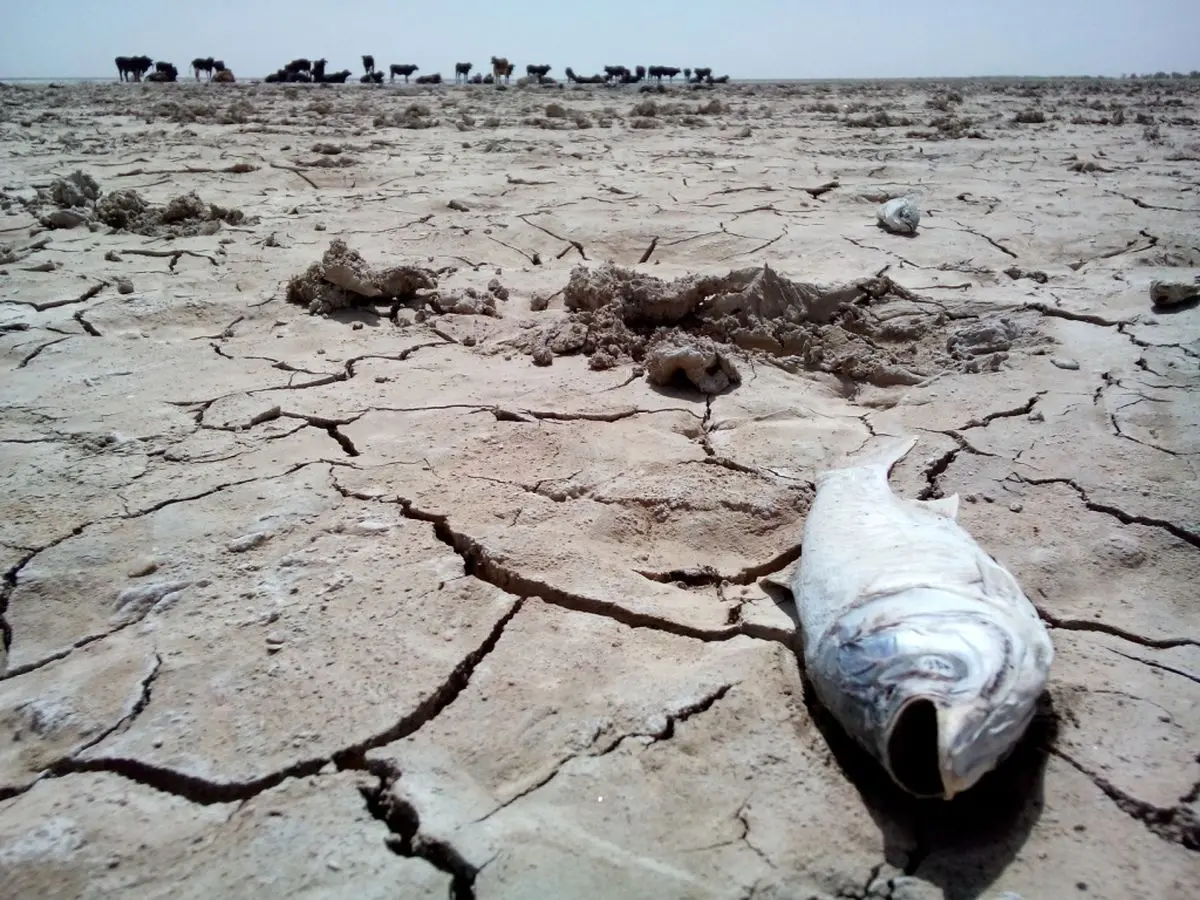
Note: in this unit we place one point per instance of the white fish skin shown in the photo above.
(898, 604)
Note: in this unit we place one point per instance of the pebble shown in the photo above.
(320, 226)
(143, 567)
(246, 542)
(1173, 293)
(357, 326)
(1016, 507)
(124, 285)
(1064, 363)
(275, 642)
(1036, 416)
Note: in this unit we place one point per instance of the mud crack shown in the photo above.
(206, 791)
(1117, 513)
(662, 730)
(406, 839)
(1104, 628)
(1176, 824)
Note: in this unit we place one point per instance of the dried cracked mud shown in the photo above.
(431, 592)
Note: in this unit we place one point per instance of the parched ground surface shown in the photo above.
(371, 605)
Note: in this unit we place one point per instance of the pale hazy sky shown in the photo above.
(745, 38)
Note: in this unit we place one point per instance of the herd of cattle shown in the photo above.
(133, 68)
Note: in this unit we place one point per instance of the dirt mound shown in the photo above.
(871, 329)
(183, 216)
(344, 279)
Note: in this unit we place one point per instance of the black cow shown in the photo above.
(164, 72)
(368, 63)
(538, 72)
(132, 68)
(584, 79)
(406, 70)
(372, 78)
(318, 70)
(435, 78)
(337, 77)
(204, 64)
(463, 69)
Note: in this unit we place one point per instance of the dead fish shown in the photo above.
(921, 645)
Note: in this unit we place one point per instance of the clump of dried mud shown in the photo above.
(868, 330)
(78, 200)
(183, 216)
(343, 279)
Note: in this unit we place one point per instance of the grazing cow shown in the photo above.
(132, 68)
(224, 76)
(337, 77)
(617, 73)
(463, 69)
(435, 78)
(298, 65)
(219, 65)
(669, 71)
(538, 72)
(204, 64)
(368, 63)
(372, 78)
(500, 68)
(406, 70)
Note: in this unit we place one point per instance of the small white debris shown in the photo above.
(247, 542)
(1064, 363)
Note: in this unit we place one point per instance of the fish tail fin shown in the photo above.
(882, 452)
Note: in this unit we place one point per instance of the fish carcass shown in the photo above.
(922, 646)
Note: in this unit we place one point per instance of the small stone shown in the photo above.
(124, 285)
(334, 865)
(1016, 507)
(382, 379)
(320, 226)
(543, 356)
(1173, 293)
(1036, 416)
(143, 567)
(247, 542)
(111, 256)
(275, 642)
(469, 341)
(538, 302)
(357, 326)
(157, 742)
(1064, 363)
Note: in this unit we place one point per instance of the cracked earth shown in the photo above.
(369, 604)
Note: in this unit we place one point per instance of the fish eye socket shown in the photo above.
(912, 750)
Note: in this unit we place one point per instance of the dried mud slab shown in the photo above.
(871, 330)
(99, 833)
